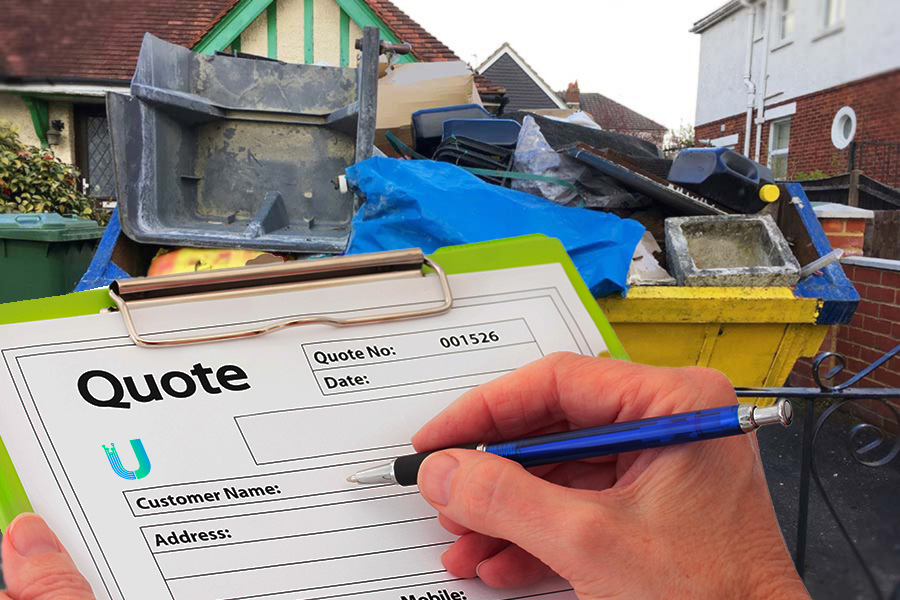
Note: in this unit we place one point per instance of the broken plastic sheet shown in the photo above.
(534, 155)
(429, 205)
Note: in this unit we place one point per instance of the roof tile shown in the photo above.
(613, 116)
(99, 40)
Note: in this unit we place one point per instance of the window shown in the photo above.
(834, 13)
(93, 150)
(759, 24)
(779, 135)
(785, 19)
(843, 127)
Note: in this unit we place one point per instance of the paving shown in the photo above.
(866, 499)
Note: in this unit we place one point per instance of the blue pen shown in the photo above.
(601, 441)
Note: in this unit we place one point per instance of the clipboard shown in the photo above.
(492, 255)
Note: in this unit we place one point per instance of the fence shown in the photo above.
(868, 444)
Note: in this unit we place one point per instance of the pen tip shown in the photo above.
(352, 479)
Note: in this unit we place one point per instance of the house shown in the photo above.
(612, 116)
(60, 57)
(803, 85)
(526, 90)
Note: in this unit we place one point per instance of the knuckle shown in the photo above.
(716, 387)
(481, 489)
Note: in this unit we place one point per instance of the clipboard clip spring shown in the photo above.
(263, 279)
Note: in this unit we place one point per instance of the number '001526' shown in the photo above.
(470, 339)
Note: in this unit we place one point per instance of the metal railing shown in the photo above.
(876, 160)
(861, 451)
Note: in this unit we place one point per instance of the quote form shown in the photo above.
(218, 471)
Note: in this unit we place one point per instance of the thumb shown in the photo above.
(36, 566)
(499, 498)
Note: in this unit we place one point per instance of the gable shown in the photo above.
(523, 92)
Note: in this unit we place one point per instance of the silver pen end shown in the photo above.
(780, 412)
(380, 474)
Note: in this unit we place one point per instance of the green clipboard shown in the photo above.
(507, 253)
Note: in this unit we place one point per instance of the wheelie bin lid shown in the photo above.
(47, 227)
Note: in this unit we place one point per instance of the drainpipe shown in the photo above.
(761, 97)
(748, 74)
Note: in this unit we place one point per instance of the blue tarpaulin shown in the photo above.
(427, 204)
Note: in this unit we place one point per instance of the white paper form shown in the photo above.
(228, 474)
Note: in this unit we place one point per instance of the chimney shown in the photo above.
(573, 95)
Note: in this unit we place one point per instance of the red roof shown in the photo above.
(95, 40)
(99, 40)
(425, 46)
(613, 116)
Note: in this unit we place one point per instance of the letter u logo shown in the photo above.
(116, 463)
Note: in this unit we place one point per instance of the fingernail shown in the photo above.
(436, 476)
(478, 568)
(29, 535)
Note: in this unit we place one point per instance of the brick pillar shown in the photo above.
(845, 226)
(573, 95)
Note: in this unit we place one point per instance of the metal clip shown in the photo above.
(242, 281)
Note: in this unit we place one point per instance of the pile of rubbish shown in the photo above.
(237, 153)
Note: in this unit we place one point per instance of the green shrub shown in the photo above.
(34, 180)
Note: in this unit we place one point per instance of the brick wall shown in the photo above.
(875, 329)
(846, 234)
(874, 100)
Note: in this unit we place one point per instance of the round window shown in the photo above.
(843, 128)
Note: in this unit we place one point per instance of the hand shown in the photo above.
(36, 566)
(686, 521)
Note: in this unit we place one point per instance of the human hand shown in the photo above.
(36, 566)
(686, 521)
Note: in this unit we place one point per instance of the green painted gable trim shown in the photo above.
(231, 25)
(272, 29)
(236, 44)
(345, 39)
(364, 16)
(309, 56)
(40, 117)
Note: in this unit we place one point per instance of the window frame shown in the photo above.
(783, 38)
(841, 14)
(827, 29)
(759, 23)
(780, 151)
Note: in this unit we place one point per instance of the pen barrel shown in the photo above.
(621, 437)
(406, 468)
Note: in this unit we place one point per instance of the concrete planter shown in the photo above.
(729, 251)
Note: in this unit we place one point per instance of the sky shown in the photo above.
(637, 52)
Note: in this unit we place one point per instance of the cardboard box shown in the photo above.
(409, 87)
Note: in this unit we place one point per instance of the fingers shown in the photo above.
(512, 567)
(579, 391)
(500, 499)
(36, 566)
(451, 526)
(466, 553)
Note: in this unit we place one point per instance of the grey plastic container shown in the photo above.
(222, 151)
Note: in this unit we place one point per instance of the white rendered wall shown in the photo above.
(868, 44)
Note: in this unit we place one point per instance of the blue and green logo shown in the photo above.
(116, 463)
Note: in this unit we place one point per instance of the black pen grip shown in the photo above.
(406, 468)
